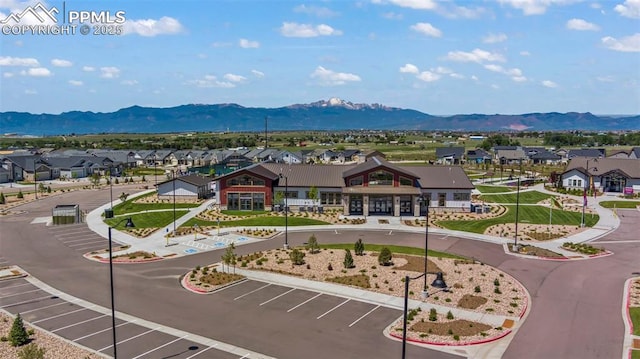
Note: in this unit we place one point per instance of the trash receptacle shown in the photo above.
(108, 213)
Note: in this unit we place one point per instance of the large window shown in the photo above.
(404, 181)
(331, 198)
(356, 181)
(245, 180)
(245, 201)
(380, 178)
(461, 196)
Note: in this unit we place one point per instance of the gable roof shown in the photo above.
(442, 177)
(602, 166)
(586, 152)
(372, 163)
(455, 152)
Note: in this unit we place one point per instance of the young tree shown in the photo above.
(41, 187)
(358, 248)
(31, 351)
(20, 195)
(18, 335)
(348, 259)
(313, 192)
(312, 245)
(384, 258)
(229, 257)
(297, 257)
(2, 199)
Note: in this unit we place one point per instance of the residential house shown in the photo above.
(586, 152)
(603, 174)
(186, 188)
(635, 153)
(545, 157)
(449, 155)
(478, 156)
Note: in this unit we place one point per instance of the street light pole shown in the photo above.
(425, 293)
(286, 211)
(129, 224)
(584, 195)
(174, 203)
(515, 242)
(35, 178)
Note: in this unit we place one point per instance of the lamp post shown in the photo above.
(286, 211)
(174, 202)
(515, 238)
(426, 201)
(35, 178)
(129, 224)
(584, 193)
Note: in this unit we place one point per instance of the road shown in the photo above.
(575, 311)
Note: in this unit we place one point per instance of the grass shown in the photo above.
(393, 249)
(131, 207)
(620, 204)
(244, 213)
(634, 313)
(258, 222)
(528, 214)
(529, 197)
(494, 189)
(635, 354)
(146, 220)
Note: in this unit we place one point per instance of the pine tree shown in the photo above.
(20, 195)
(348, 259)
(312, 245)
(18, 335)
(384, 258)
(358, 248)
(297, 257)
(2, 200)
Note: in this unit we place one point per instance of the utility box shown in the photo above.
(66, 214)
(108, 213)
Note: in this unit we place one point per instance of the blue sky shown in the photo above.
(438, 57)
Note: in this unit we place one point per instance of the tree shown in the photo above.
(278, 197)
(313, 192)
(384, 258)
(229, 257)
(20, 195)
(18, 335)
(348, 259)
(41, 187)
(312, 245)
(297, 257)
(358, 248)
(32, 351)
(95, 179)
(2, 199)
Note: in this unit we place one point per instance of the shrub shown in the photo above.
(31, 351)
(329, 267)
(2, 200)
(477, 289)
(496, 282)
(18, 335)
(433, 315)
(20, 195)
(384, 258)
(496, 290)
(449, 315)
(348, 259)
(296, 256)
(312, 245)
(358, 248)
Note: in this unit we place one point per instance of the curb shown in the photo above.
(95, 258)
(484, 341)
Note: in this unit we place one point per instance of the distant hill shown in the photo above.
(332, 114)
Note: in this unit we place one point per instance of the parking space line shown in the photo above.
(229, 286)
(244, 356)
(132, 338)
(14, 286)
(81, 239)
(203, 350)
(101, 331)
(303, 303)
(87, 241)
(78, 323)
(95, 246)
(26, 301)
(253, 291)
(162, 346)
(14, 294)
(278, 296)
(48, 306)
(365, 314)
(62, 315)
(334, 308)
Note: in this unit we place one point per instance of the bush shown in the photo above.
(20, 195)
(449, 315)
(348, 259)
(358, 248)
(31, 351)
(384, 258)
(477, 289)
(433, 315)
(312, 245)
(297, 257)
(2, 200)
(18, 335)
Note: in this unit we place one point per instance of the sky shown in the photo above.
(438, 57)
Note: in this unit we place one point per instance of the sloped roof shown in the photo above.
(444, 177)
(307, 175)
(456, 152)
(511, 154)
(586, 152)
(602, 166)
(478, 153)
(372, 163)
(545, 155)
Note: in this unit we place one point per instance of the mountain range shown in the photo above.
(330, 115)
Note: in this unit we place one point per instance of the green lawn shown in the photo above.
(393, 249)
(494, 189)
(635, 354)
(530, 197)
(634, 312)
(620, 204)
(259, 222)
(131, 207)
(527, 214)
(243, 213)
(147, 220)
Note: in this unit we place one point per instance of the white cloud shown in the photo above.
(150, 27)
(494, 38)
(18, 61)
(534, 7)
(416, 4)
(257, 73)
(210, 81)
(550, 84)
(624, 44)
(7, 74)
(460, 12)
(476, 55)
(88, 68)
(514, 73)
(75, 83)
(474, 77)
(426, 29)
(109, 72)
(315, 10)
(605, 78)
(525, 53)
(392, 16)
(129, 82)
(456, 75)
(202, 56)
(234, 78)
(630, 8)
(409, 69)
(36, 72)
(328, 77)
(247, 44)
(30, 92)
(581, 25)
(292, 29)
(61, 63)
(428, 76)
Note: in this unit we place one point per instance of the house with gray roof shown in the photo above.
(634, 153)
(449, 155)
(586, 152)
(603, 174)
(27, 167)
(478, 156)
(375, 187)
